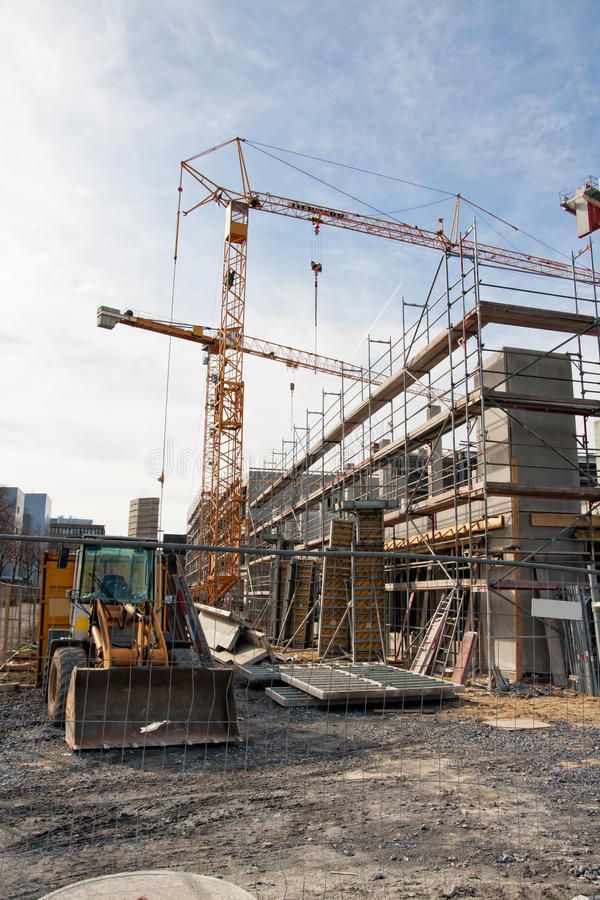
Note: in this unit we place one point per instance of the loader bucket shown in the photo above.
(149, 706)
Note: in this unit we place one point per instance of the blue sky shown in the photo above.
(102, 100)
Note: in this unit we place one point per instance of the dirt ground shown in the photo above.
(314, 803)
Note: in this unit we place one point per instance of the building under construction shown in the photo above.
(477, 444)
(442, 490)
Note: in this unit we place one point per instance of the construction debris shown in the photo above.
(260, 674)
(231, 639)
(19, 668)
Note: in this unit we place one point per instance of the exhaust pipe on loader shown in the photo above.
(149, 706)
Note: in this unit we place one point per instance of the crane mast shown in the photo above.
(226, 495)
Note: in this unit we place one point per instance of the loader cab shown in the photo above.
(122, 574)
(111, 575)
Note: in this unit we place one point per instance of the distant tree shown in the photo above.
(19, 560)
(8, 549)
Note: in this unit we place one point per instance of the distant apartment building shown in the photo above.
(143, 518)
(68, 526)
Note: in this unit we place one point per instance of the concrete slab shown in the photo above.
(288, 696)
(151, 885)
(516, 724)
(261, 674)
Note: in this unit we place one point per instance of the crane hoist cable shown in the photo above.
(317, 268)
(292, 389)
(256, 145)
(161, 478)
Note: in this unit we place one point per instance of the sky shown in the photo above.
(100, 102)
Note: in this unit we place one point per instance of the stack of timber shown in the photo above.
(19, 670)
(231, 639)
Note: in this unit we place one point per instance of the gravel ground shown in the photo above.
(313, 803)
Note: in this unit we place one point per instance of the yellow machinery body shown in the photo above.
(118, 663)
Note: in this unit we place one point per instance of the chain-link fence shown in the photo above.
(345, 745)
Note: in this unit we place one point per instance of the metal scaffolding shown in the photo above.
(478, 443)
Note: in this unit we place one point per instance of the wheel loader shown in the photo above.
(123, 662)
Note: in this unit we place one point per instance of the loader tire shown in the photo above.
(63, 662)
(185, 658)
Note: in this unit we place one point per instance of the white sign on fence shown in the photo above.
(546, 608)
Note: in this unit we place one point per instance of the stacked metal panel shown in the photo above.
(280, 578)
(300, 616)
(334, 627)
(368, 588)
(580, 646)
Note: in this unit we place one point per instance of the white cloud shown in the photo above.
(101, 101)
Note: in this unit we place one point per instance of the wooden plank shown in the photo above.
(427, 649)
(447, 534)
(561, 520)
(465, 654)
(568, 406)
(440, 584)
(584, 534)
(557, 492)
(301, 622)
